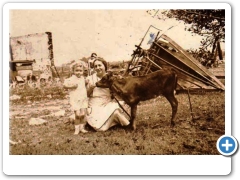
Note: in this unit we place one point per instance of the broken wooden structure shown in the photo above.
(164, 52)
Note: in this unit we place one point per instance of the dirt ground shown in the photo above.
(194, 133)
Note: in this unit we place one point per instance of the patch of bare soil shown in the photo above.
(194, 133)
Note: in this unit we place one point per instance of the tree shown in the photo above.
(208, 23)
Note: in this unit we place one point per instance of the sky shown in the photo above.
(112, 34)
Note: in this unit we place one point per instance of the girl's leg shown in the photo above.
(77, 122)
(116, 118)
(82, 120)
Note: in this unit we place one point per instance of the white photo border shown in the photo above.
(105, 164)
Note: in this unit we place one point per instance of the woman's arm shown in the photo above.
(89, 86)
(90, 89)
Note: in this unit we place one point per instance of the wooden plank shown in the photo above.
(194, 62)
(23, 68)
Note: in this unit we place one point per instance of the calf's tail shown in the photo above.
(175, 77)
(176, 80)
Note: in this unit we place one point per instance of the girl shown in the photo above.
(78, 95)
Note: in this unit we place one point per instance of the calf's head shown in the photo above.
(109, 80)
(106, 81)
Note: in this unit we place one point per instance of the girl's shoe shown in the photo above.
(82, 128)
(84, 131)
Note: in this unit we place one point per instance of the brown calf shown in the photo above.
(135, 89)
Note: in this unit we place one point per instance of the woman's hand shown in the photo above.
(87, 81)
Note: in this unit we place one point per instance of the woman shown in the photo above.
(104, 112)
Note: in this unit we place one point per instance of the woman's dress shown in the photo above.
(101, 104)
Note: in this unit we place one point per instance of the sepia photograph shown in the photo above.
(115, 81)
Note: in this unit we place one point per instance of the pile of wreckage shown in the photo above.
(164, 52)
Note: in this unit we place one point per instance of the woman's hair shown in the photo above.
(103, 61)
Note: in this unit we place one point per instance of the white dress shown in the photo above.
(78, 97)
(101, 104)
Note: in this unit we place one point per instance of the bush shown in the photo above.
(27, 93)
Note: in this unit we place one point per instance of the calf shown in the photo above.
(135, 89)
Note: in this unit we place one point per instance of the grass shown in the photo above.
(153, 134)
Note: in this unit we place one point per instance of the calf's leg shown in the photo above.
(133, 116)
(174, 104)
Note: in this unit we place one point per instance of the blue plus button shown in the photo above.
(227, 145)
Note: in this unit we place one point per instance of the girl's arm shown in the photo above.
(69, 85)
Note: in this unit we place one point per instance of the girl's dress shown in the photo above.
(78, 97)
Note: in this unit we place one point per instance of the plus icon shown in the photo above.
(227, 145)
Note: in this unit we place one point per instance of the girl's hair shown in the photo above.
(101, 60)
(78, 64)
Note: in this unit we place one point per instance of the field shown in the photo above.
(152, 137)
